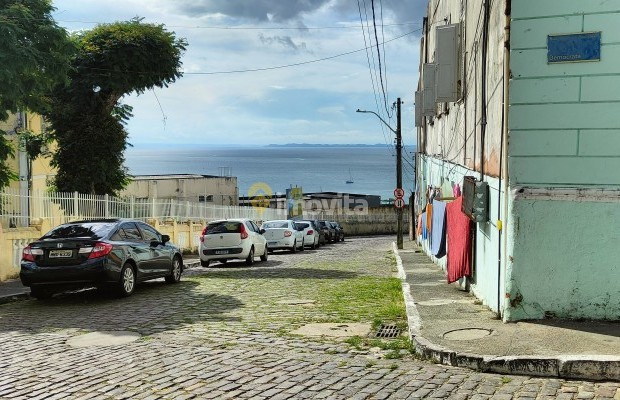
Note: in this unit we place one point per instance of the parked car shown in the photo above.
(339, 231)
(312, 235)
(232, 239)
(283, 234)
(328, 230)
(107, 253)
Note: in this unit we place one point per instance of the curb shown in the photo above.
(589, 367)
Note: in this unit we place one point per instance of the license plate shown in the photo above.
(221, 251)
(60, 253)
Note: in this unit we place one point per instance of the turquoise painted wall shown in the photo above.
(564, 132)
(564, 120)
(565, 260)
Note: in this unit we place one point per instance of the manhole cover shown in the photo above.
(388, 331)
(467, 334)
(103, 339)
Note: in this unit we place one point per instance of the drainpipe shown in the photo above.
(502, 237)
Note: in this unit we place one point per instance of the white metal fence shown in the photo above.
(18, 210)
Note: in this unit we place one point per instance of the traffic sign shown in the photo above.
(399, 193)
(399, 203)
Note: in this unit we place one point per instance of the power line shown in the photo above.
(248, 28)
(374, 24)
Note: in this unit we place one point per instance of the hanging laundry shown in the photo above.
(459, 241)
(418, 231)
(456, 190)
(429, 217)
(424, 229)
(438, 232)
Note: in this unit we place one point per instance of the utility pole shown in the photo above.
(399, 176)
(399, 170)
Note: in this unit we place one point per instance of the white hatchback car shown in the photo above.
(283, 234)
(239, 239)
(311, 234)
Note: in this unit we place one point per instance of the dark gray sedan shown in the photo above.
(108, 253)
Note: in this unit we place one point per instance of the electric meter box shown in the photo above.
(475, 199)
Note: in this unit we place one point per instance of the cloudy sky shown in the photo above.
(273, 71)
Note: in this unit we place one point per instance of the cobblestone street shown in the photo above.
(225, 332)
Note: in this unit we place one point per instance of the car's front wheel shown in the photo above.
(250, 259)
(294, 249)
(303, 246)
(205, 264)
(175, 273)
(265, 255)
(127, 284)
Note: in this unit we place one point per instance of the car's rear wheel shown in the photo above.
(205, 264)
(265, 255)
(40, 293)
(175, 273)
(127, 284)
(250, 259)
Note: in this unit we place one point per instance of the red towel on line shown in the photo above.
(459, 241)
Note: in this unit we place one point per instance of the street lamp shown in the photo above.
(399, 169)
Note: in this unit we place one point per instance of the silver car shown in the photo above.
(283, 234)
(228, 239)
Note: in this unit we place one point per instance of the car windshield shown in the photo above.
(223, 227)
(275, 225)
(91, 230)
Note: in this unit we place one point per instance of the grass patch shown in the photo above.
(367, 298)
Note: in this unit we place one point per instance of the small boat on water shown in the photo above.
(350, 180)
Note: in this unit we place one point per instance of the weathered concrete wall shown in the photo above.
(186, 235)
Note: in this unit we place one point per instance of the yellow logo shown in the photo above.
(260, 193)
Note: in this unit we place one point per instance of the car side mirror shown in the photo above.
(165, 239)
(262, 231)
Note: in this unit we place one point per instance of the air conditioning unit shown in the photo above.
(475, 199)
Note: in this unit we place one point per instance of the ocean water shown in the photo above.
(314, 169)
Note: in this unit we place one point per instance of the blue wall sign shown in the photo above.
(574, 47)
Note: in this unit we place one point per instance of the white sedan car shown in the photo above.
(311, 233)
(230, 239)
(283, 234)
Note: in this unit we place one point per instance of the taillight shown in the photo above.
(29, 253)
(287, 233)
(244, 233)
(310, 232)
(98, 250)
(202, 235)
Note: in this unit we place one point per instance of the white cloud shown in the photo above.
(312, 101)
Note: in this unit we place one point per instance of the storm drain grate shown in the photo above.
(388, 331)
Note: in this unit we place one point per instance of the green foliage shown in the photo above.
(34, 54)
(112, 60)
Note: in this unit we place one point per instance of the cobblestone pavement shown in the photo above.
(225, 333)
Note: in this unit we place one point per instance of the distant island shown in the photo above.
(326, 145)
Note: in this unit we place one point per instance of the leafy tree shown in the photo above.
(87, 117)
(34, 55)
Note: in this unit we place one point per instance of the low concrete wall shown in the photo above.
(186, 235)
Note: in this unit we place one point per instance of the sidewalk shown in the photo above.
(449, 326)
